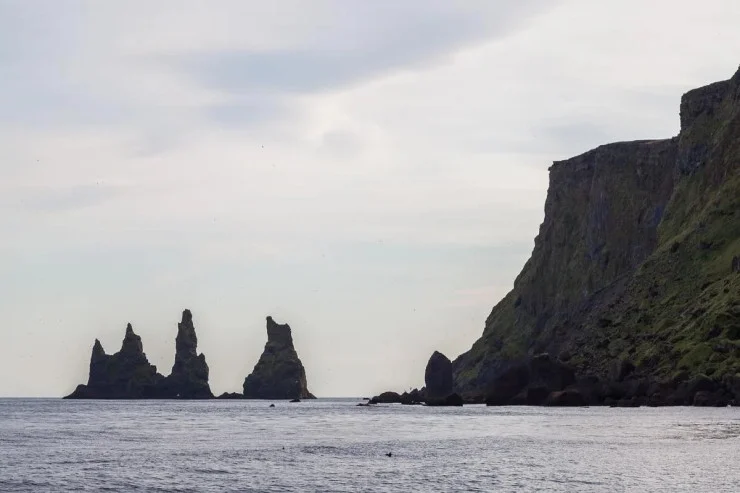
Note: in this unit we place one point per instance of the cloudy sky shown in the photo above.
(372, 173)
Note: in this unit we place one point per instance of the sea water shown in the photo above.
(332, 445)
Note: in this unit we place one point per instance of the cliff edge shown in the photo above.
(634, 266)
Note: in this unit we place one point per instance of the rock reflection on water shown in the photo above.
(332, 445)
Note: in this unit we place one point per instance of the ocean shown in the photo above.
(331, 445)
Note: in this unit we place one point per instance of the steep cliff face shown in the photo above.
(189, 377)
(633, 261)
(126, 374)
(279, 373)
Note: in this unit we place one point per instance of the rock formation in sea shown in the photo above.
(126, 374)
(230, 396)
(189, 376)
(633, 285)
(279, 373)
(438, 379)
(388, 397)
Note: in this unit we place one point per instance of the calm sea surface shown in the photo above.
(332, 445)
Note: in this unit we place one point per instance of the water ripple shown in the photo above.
(333, 446)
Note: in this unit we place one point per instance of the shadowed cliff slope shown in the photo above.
(636, 260)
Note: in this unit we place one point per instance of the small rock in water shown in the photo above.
(272, 405)
(295, 400)
(389, 454)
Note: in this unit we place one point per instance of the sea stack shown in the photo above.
(189, 377)
(279, 373)
(438, 380)
(126, 374)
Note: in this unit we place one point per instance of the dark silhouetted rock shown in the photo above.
(620, 370)
(295, 400)
(230, 395)
(507, 385)
(565, 398)
(438, 376)
(474, 397)
(126, 374)
(451, 400)
(438, 379)
(710, 399)
(414, 397)
(536, 396)
(530, 382)
(386, 398)
(189, 377)
(279, 373)
(547, 372)
(272, 405)
(631, 402)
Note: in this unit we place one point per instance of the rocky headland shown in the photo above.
(632, 294)
(279, 373)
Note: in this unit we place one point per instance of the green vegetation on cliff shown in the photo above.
(636, 259)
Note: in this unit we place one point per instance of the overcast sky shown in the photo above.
(372, 173)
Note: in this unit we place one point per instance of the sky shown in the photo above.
(372, 173)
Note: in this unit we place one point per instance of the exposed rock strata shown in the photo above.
(279, 373)
(632, 281)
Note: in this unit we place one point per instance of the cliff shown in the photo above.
(633, 265)
(126, 374)
(279, 373)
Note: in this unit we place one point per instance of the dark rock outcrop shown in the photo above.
(279, 373)
(530, 382)
(126, 374)
(451, 400)
(565, 398)
(438, 390)
(386, 398)
(189, 377)
(438, 379)
(230, 396)
(633, 274)
(414, 397)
